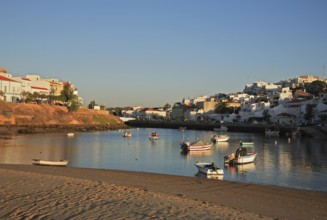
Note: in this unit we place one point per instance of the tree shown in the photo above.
(316, 87)
(167, 107)
(92, 104)
(222, 108)
(308, 112)
(73, 105)
(266, 115)
(2, 94)
(68, 92)
(24, 95)
(70, 98)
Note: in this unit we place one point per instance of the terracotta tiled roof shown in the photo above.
(39, 88)
(6, 79)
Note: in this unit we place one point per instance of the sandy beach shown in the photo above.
(39, 192)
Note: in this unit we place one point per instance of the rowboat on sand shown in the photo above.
(40, 162)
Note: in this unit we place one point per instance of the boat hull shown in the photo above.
(223, 138)
(241, 160)
(49, 163)
(209, 169)
(127, 134)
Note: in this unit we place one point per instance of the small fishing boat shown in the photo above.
(244, 154)
(127, 134)
(70, 134)
(272, 131)
(154, 136)
(209, 168)
(197, 145)
(182, 128)
(246, 143)
(49, 162)
(212, 176)
(219, 138)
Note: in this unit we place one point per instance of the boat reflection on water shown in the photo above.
(215, 177)
(188, 154)
(240, 168)
(221, 145)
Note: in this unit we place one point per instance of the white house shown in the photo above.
(150, 113)
(11, 88)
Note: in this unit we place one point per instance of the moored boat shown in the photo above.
(182, 128)
(154, 136)
(272, 131)
(127, 134)
(219, 138)
(197, 145)
(246, 143)
(70, 134)
(49, 162)
(209, 168)
(244, 154)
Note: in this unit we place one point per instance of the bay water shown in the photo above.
(296, 163)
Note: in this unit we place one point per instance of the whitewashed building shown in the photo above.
(9, 87)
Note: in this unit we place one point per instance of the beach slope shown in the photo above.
(34, 192)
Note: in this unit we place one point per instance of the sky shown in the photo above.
(152, 52)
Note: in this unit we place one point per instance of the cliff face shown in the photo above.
(22, 114)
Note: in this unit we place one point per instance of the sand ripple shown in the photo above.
(25, 195)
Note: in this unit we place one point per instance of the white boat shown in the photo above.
(154, 136)
(213, 176)
(222, 128)
(219, 138)
(246, 143)
(49, 162)
(244, 154)
(127, 134)
(197, 145)
(272, 131)
(182, 128)
(209, 168)
(70, 134)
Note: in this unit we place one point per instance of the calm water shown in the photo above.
(302, 163)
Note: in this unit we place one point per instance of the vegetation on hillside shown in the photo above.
(45, 114)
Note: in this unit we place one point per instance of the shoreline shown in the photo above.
(147, 195)
(6, 131)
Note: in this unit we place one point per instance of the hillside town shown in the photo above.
(297, 101)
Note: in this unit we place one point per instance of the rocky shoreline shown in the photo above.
(6, 131)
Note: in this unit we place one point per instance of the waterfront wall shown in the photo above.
(232, 127)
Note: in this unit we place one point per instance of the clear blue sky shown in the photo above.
(153, 52)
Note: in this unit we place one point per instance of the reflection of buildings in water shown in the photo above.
(203, 175)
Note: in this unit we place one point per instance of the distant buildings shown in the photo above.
(285, 102)
(13, 89)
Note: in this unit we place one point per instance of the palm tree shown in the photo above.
(2, 94)
(24, 95)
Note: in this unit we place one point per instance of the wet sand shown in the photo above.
(36, 192)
